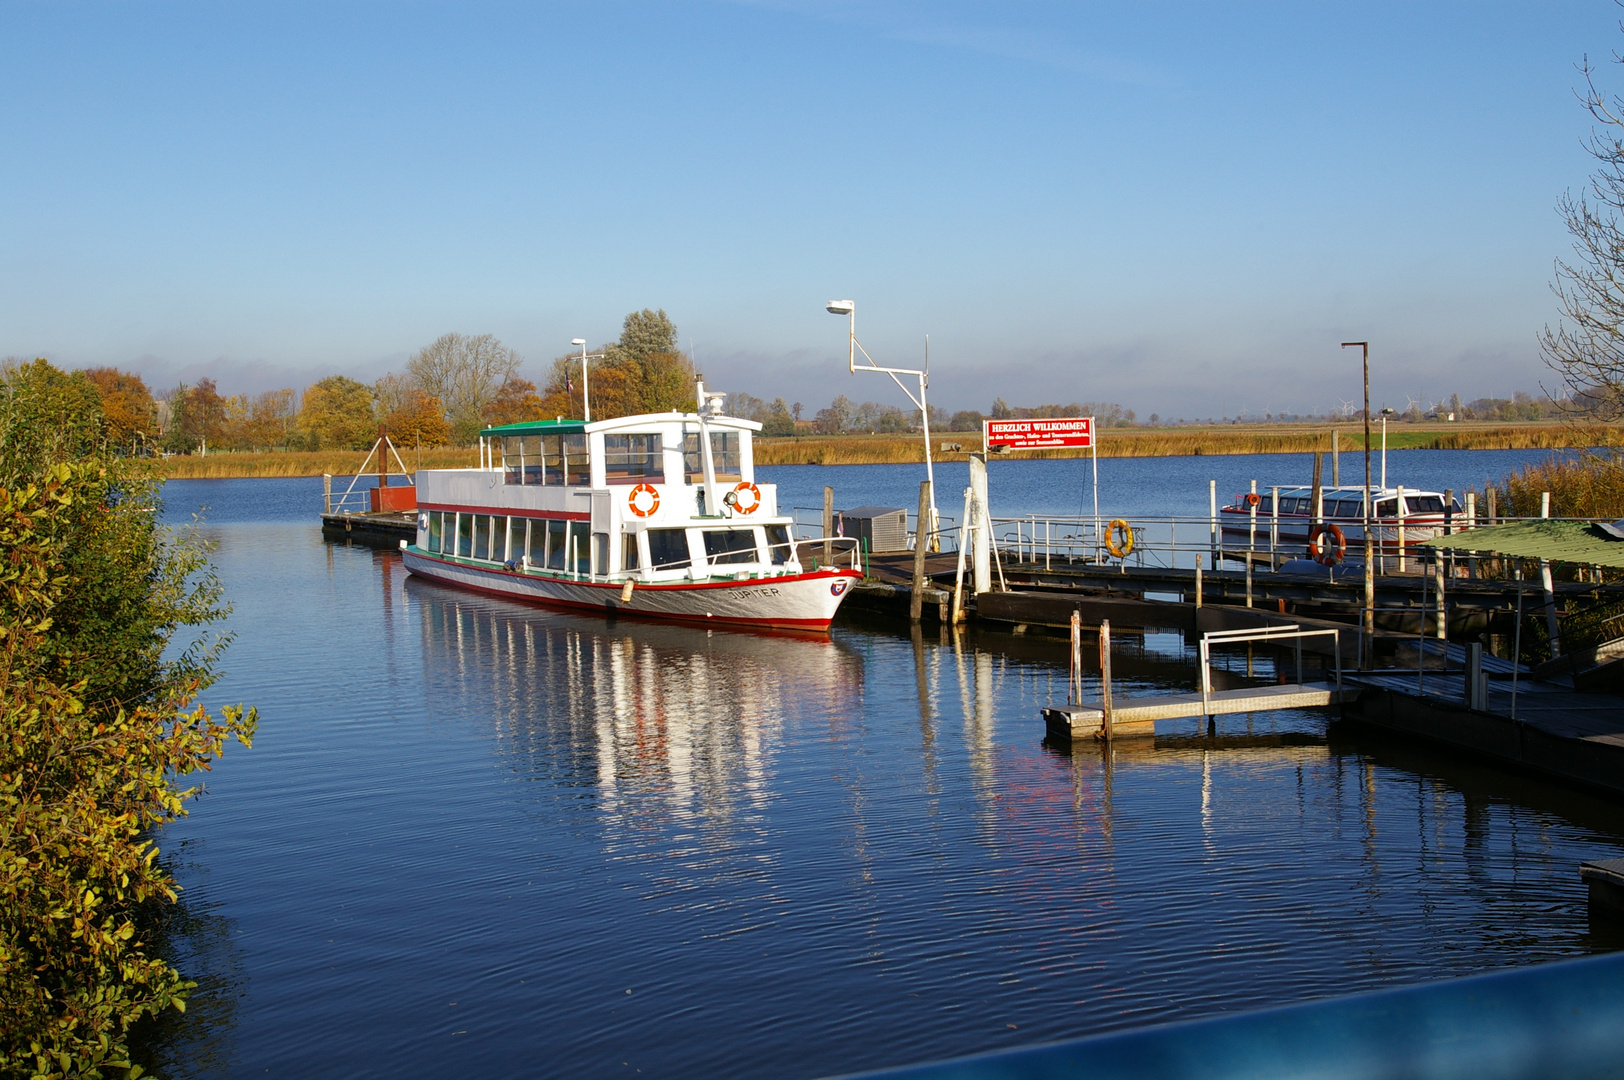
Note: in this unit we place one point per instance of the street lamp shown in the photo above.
(586, 402)
(848, 308)
(1370, 554)
(1386, 412)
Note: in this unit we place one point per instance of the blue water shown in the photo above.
(479, 838)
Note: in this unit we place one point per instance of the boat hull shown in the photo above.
(805, 601)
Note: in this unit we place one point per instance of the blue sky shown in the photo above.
(1179, 207)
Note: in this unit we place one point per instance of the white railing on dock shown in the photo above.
(1266, 634)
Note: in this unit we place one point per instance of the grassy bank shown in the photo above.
(897, 449)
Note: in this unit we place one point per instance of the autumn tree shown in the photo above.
(642, 372)
(336, 414)
(465, 373)
(412, 417)
(516, 401)
(101, 728)
(126, 404)
(270, 421)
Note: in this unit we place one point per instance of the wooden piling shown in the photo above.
(1105, 677)
(916, 603)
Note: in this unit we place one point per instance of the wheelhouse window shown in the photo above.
(779, 546)
(521, 460)
(628, 551)
(726, 546)
(633, 459)
(668, 549)
(724, 456)
(576, 471)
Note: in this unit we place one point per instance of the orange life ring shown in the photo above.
(1119, 539)
(1252, 499)
(1328, 554)
(653, 500)
(755, 498)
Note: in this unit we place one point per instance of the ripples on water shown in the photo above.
(477, 837)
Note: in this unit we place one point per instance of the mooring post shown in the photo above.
(1548, 585)
(1198, 583)
(327, 493)
(1251, 539)
(916, 602)
(1398, 507)
(1336, 458)
(828, 523)
(1471, 523)
(1105, 677)
(1212, 502)
(1074, 683)
(1438, 585)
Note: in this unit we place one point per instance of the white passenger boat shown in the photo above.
(1254, 523)
(657, 516)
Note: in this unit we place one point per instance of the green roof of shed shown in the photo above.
(536, 427)
(1557, 541)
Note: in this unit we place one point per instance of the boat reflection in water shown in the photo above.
(629, 708)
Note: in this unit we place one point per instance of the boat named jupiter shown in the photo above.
(656, 516)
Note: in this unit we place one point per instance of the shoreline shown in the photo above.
(1224, 441)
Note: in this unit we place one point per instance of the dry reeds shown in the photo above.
(1188, 442)
(219, 466)
(1588, 486)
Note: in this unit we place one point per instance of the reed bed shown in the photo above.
(221, 466)
(1588, 486)
(1187, 442)
(901, 449)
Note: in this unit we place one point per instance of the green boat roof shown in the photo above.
(536, 427)
(1556, 541)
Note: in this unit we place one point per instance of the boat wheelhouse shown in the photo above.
(1401, 518)
(658, 516)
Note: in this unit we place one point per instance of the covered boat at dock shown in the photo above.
(1285, 521)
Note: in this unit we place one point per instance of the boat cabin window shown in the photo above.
(1346, 508)
(633, 459)
(724, 546)
(1265, 504)
(1386, 507)
(536, 542)
(668, 549)
(628, 551)
(561, 460)
(465, 535)
(724, 456)
(580, 540)
(1424, 504)
(434, 530)
(1293, 505)
(779, 546)
(482, 536)
(556, 535)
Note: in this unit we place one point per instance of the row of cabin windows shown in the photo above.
(550, 542)
(627, 459)
(1345, 507)
(497, 538)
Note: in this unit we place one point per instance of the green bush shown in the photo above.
(97, 730)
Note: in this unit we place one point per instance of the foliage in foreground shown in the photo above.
(96, 731)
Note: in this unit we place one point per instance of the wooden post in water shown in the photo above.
(383, 460)
(1105, 677)
(1198, 583)
(1548, 585)
(327, 493)
(1315, 492)
(1251, 539)
(916, 602)
(828, 523)
(1074, 684)
(1336, 459)
(1438, 585)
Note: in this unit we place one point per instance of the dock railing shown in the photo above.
(1267, 634)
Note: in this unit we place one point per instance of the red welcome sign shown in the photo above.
(1072, 431)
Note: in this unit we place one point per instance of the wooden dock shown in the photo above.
(1138, 716)
(385, 529)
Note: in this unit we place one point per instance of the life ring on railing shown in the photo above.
(755, 498)
(1327, 554)
(645, 509)
(1252, 499)
(1119, 548)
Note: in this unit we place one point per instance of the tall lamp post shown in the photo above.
(1369, 620)
(848, 308)
(586, 402)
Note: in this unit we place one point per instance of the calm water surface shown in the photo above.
(479, 837)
